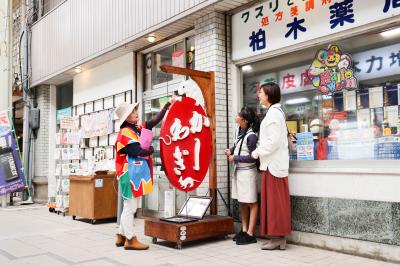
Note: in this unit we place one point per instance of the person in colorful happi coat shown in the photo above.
(128, 154)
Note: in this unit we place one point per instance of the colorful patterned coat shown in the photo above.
(131, 186)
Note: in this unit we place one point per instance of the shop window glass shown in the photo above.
(181, 54)
(190, 52)
(362, 124)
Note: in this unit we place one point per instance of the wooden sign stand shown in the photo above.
(210, 226)
(206, 81)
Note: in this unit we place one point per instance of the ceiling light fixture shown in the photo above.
(247, 68)
(78, 69)
(151, 38)
(297, 101)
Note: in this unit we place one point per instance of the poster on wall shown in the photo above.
(185, 142)
(97, 124)
(392, 115)
(305, 146)
(349, 100)
(61, 113)
(11, 174)
(375, 97)
(5, 124)
(71, 122)
(332, 71)
(363, 118)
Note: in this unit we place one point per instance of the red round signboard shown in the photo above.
(185, 144)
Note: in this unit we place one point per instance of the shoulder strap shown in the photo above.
(284, 117)
(248, 133)
(236, 138)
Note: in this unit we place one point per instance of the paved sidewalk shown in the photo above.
(33, 236)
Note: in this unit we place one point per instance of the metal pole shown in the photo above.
(10, 22)
(27, 99)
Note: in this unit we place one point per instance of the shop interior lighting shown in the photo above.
(151, 38)
(323, 97)
(78, 69)
(391, 32)
(297, 101)
(247, 68)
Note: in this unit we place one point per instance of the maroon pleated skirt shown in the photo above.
(275, 218)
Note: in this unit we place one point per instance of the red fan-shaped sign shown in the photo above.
(185, 141)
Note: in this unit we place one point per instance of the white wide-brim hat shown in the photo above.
(124, 110)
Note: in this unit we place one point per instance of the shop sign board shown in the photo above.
(376, 63)
(11, 174)
(185, 144)
(275, 24)
(294, 80)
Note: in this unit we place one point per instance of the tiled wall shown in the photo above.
(210, 56)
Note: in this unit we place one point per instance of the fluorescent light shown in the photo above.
(247, 68)
(297, 101)
(151, 38)
(390, 33)
(78, 69)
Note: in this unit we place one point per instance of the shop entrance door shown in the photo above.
(154, 203)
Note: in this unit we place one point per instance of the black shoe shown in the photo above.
(246, 239)
(239, 235)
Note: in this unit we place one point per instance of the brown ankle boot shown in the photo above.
(119, 240)
(134, 244)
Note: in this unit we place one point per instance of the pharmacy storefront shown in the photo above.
(338, 67)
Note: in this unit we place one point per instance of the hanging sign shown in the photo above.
(185, 143)
(332, 71)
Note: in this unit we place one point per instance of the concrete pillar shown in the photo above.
(43, 145)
